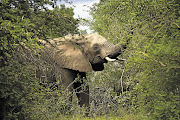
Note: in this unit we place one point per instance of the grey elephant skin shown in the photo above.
(74, 56)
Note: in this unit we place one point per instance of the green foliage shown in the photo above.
(56, 23)
(151, 29)
(17, 81)
(22, 22)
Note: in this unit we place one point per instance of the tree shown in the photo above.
(22, 21)
(153, 54)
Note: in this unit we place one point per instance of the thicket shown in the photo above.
(150, 76)
(21, 94)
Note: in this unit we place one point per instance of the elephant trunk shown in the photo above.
(116, 50)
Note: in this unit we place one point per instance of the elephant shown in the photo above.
(75, 55)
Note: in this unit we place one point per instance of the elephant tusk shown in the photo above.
(109, 59)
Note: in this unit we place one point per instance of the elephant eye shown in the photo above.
(96, 47)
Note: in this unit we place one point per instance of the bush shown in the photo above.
(151, 31)
(22, 94)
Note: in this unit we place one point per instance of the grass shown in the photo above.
(104, 117)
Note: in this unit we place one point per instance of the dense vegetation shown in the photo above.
(24, 21)
(151, 71)
(144, 86)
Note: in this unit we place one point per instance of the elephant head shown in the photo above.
(83, 53)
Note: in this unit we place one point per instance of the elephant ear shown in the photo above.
(70, 55)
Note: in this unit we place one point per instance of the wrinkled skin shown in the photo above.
(76, 55)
